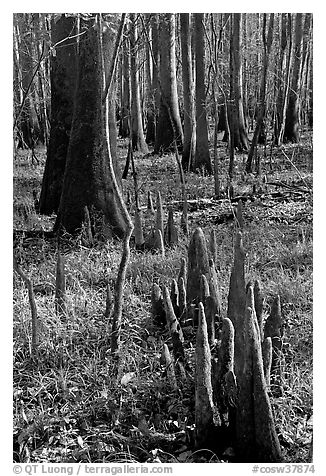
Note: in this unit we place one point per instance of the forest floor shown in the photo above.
(67, 406)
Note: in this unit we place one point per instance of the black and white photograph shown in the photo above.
(162, 241)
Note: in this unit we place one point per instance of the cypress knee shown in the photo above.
(203, 385)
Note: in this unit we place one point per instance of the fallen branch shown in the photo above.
(290, 187)
(297, 170)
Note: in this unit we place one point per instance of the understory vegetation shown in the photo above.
(68, 407)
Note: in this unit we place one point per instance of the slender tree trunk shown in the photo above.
(39, 20)
(18, 92)
(262, 97)
(245, 68)
(87, 178)
(310, 90)
(109, 45)
(189, 145)
(154, 94)
(281, 79)
(63, 84)
(305, 66)
(286, 87)
(137, 133)
(150, 99)
(291, 132)
(169, 107)
(29, 128)
(238, 121)
(125, 91)
(202, 158)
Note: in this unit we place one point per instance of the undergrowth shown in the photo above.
(67, 405)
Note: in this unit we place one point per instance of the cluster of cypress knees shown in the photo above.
(237, 358)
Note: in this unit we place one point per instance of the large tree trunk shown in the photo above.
(291, 132)
(238, 125)
(169, 117)
(137, 133)
(63, 84)
(189, 144)
(202, 158)
(87, 181)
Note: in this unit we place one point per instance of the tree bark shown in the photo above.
(239, 130)
(87, 178)
(63, 84)
(305, 71)
(40, 35)
(262, 97)
(152, 86)
(125, 91)
(137, 133)
(189, 145)
(281, 75)
(28, 124)
(291, 132)
(202, 158)
(169, 107)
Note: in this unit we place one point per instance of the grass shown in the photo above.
(67, 406)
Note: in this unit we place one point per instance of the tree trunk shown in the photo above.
(155, 90)
(151, 76)
(262, 97)
(169, 108)
(237, 117)
(189, 144)
(63, 83)
(310, 92)
(291, 132)
(28, 124)
(17, 80)
(42, 90)
(125, 91)
(304, 93)
(137, 133)
(281, 79)
(202, 158)
(108, 41)
(87, 179)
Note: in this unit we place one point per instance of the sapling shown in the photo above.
(60, 287)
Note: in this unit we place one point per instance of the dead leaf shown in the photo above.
(126, 378)
(80, 441)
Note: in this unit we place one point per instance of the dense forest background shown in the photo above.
(163, 237)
